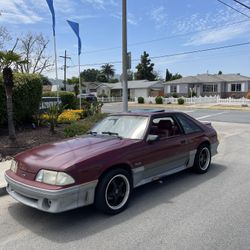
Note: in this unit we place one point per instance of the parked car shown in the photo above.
(120, 153)
(88, 97)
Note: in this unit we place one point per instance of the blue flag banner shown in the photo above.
(51, 7)
(75, 28)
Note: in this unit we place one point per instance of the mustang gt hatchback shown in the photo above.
(121, 152)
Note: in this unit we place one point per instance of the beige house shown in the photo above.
(225, 85)
(136, 88)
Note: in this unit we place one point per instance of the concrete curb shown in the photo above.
(191, 106)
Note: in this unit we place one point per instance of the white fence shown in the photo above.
(109, 99)
(200, 100)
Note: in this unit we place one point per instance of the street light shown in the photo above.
(124, 57)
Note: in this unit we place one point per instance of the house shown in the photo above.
(136, 88)
(224, 85)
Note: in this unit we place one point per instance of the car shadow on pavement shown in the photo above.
(83, 222)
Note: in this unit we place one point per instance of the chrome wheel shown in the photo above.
(117, 192)
(204, 158)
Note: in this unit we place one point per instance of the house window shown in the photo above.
(236, 87)
(210, 88)
(173, 89)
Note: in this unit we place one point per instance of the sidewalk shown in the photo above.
(3, 167)
(214, 106)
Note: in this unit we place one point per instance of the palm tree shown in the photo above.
(7, 61)
(108, 70)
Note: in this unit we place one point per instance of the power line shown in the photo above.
(202, 50)
(166, 37)
(172, 55)
(242, 4)
(233, 8)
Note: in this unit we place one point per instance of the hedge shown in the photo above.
(159, 100)
(27, 93)
(140, 99)
(68, 98)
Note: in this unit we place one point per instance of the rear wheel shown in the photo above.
(113, 191)
(202, 159)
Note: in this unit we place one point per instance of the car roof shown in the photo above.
(148, 113)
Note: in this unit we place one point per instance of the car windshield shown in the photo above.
(125, 126)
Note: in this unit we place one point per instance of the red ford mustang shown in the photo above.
(120, 153)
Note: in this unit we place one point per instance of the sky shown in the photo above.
(159, 27)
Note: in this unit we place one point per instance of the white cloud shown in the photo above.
(159, 17)
(214, 27)
(219, 35)
(18, 11)
(131, 19)
(100, 4)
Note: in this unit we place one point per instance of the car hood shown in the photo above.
(67, 153)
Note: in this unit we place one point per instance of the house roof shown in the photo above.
(209, 78)
(138, 84)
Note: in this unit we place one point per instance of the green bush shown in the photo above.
(181, 101)
(174, 95)
(81, 127)
(27, 92)
(193, 94)
(140, 99)
(159, 100)
(68, 99)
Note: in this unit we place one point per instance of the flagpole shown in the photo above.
(80, 88)
(56, 70)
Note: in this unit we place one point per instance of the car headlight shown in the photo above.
(54, 178)
(13, 166)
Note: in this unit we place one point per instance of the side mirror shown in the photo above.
(152, 138)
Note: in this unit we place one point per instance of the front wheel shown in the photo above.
(202, 159)
(113, 192)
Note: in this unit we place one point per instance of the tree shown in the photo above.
(4, 37)
(45, 80)
(9, 59)
(102, 78)
(176, 76)
(220, 72)
(33, 49)
(90, 75)
(171, 77)
(73, 80)
(168, 76)
(108, 70)
(145, 69)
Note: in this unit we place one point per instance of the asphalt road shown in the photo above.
(231, 116)
(185, 211)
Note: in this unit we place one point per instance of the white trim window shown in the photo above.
(211, 88)
(173, 89)
(236, 87)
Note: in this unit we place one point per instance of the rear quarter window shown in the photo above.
(188, 125)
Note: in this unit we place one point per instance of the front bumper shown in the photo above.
(52, 201)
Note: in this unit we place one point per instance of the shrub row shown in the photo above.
(159, 100)
(27, 92)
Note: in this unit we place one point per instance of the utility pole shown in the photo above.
(65, 67)
(124, 57)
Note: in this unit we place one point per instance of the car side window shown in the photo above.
(164, 127)
(188, 125)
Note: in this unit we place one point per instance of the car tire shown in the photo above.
(202, 159)
(113, 191)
